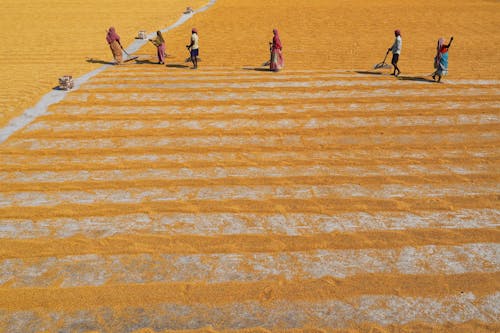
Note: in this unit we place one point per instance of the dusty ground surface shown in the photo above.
(324, 197)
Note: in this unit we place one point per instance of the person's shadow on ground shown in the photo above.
(177, 66)
(404, 78)
(368, 72)
(415, 78)
(98, 61)
(258, 69)
(146, 62)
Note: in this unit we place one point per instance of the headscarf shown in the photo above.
(439, 49)
(112, 35)
(194, 31)
(440, 46)
(440, 43)
(159, 37)
(276, 40)
(397, 32)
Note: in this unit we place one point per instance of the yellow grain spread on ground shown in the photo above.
(158, 198)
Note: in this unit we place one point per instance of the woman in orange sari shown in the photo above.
(114, 44)
(277, 61)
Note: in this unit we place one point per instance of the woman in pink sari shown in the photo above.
(159, 42)
(114, 44)
(277, 61)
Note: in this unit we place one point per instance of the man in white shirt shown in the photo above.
(193, 48)
(396, 50)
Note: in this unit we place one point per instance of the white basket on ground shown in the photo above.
(142, 35)
(66, 82)
(188, 10)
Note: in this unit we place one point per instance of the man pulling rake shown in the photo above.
(193, 48)
(396, 50)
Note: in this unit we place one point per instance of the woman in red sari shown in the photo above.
(114, 44)
(277, 61)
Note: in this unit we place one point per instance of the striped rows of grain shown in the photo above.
(156, 198)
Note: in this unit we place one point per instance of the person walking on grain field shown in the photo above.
(396, 51)
(114, 44)
(159, 42)
(277, 61)
(194, 48)
(441, 59)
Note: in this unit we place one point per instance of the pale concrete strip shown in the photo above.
(234, 192)
(162, 76)
(260, 84)
(166, 76)
(247, 85)
(473, 82)
(384, 156)
(249, 110)
(248, 123)
(41, 106)
(211, 70)
(97, 270)
(221, 172)
(138, 43)
(248, 141)
(211, 224)
(272, 314)
(166, 96)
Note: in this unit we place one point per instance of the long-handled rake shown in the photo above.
(130, 58)
(128, 55)
(267, 63)
(166, 55)
(188, 59)
(383, 64)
